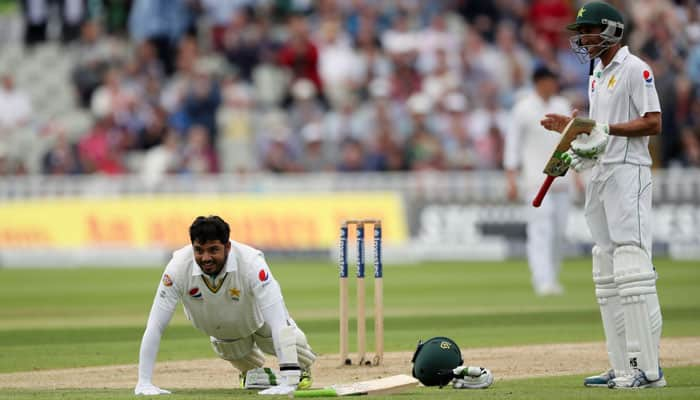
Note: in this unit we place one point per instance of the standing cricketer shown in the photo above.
(229, 293)
(527, 144)
(625, 105)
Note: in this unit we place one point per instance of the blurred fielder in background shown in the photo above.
(625, 105)
(228, 293)
(527, 144)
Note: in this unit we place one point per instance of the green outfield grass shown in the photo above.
(8, 7)
(61, 318)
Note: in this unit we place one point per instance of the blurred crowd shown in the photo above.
(207, 86)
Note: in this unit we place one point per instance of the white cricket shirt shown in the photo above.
(228, 307)
(622, 91)
(528, 144)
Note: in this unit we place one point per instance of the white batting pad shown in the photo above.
(636, 281)
(254, 359)
(610, 310)
(232, 349)
(305, 355)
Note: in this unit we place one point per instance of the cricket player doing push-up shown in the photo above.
(229, 293)
(625, 106)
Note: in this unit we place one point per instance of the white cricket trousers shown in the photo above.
(546, 229)
(618, 213)
(618, 206)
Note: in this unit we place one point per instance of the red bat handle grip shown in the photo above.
(543, 191)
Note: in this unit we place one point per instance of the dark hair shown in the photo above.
(210, 228)
(542, 72)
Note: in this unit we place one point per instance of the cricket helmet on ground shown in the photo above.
(434, 361)
(601, 14)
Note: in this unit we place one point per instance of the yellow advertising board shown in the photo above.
(268, 221)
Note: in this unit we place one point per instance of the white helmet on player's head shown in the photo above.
(599, 26)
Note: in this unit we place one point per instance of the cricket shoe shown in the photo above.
(263, 378)
(601, 380)
(638, 380)
(305, 381)
(551, 289)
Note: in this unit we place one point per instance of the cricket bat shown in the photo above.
(375, 387)
(556, 166)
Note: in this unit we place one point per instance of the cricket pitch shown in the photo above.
(505, 362)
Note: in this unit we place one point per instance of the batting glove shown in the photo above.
(149, 389)
(576, 162)
(593, 144)
(472, 378)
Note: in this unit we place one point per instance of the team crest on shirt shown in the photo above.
(195, 293)
(612, 82)
(167, 281)
(235, 294)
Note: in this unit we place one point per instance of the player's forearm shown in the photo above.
(148, 353)
(275, 316)
(648, 125)
(161, 313)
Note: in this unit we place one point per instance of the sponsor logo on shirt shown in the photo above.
(195, 293)
(263, 275)
(593, 86)
(167, 281)
(235, 294)
(647, 76)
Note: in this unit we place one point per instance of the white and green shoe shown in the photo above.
(264, 378)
